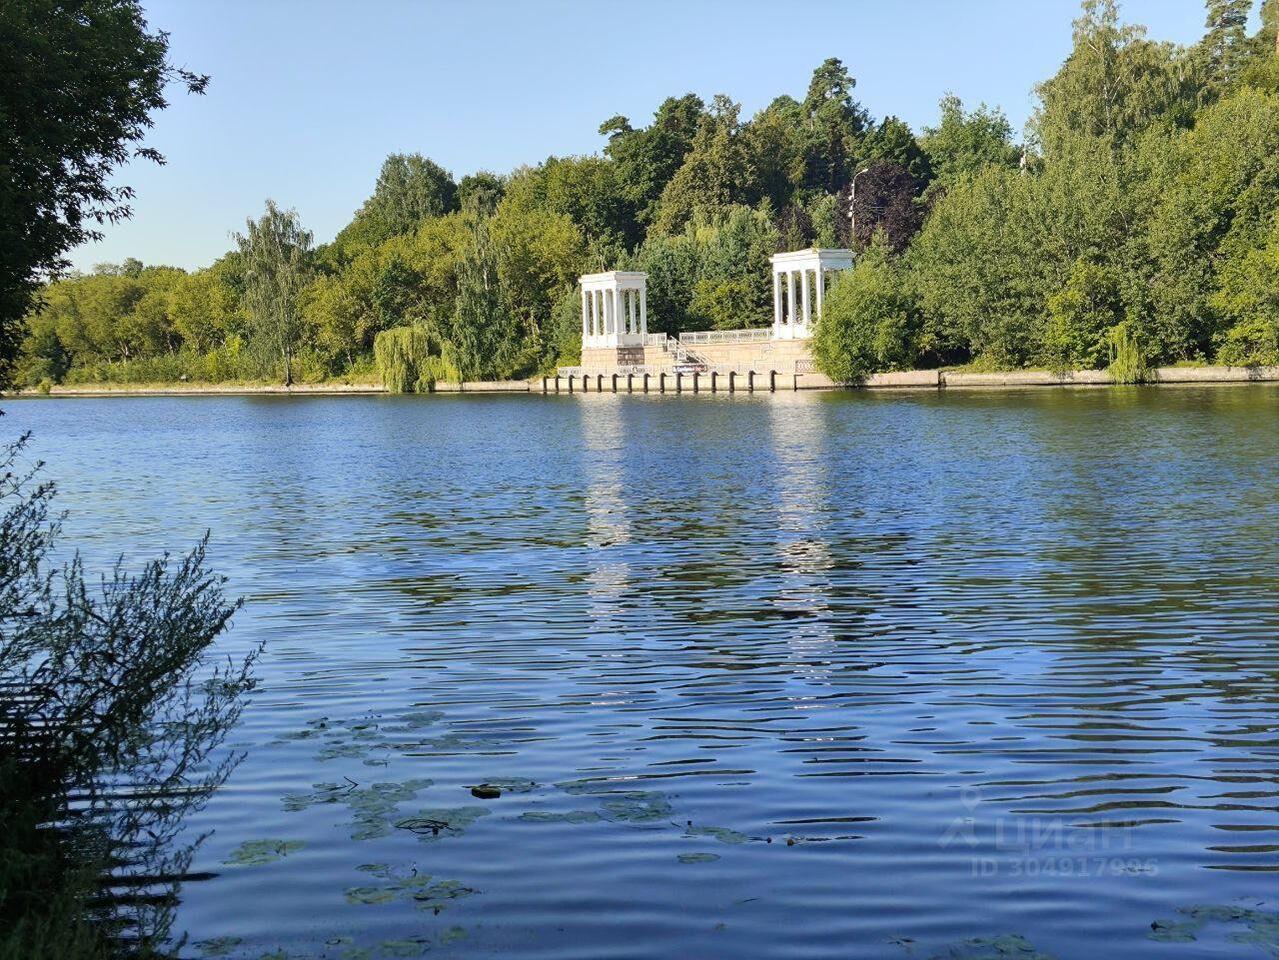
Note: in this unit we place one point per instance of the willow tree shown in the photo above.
(277, 267)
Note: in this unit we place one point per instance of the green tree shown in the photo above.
(716, 173)
(647, 158)
(1114, 85)
(204, 308)
(869, 320)
(1081, 317)
(964, 142)
(409, 189)
(834, 128)
(479, 193)
(277, 267)
(484, 337)
(83, 82)
(1224, 48)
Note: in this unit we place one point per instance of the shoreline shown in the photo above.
(710, 382)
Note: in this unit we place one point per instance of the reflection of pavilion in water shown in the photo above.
(801, 498)
(607, 512)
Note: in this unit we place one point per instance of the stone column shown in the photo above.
(586, 320)
(631, 326)
(807, 316)
(821, 290)
(644, 311)
(790, 300)
(777, 303)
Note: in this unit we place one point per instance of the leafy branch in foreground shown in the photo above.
(112, 716)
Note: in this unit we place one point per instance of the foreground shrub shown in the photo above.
(1250, 344)
(110, 721)
(869, 320)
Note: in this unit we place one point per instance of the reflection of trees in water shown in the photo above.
(111, 720)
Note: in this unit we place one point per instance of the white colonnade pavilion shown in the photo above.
(800, 278)
(614, 308)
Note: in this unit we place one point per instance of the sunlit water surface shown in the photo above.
(838, 675)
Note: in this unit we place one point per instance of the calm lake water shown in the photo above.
(835, 675)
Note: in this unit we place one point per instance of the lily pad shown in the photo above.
(372, 807)
(637, 807)
(722, 834)
(511, 784)
(424, 891)
(1010, 946)
(256, 853)
(452, 934)
(698, 857)
(437, 822)
(1262, 926)
(572, 816)
(218, 946)
(402, 948)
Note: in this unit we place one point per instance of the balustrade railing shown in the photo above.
(727, 336)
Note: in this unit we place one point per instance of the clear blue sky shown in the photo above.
(309, 96)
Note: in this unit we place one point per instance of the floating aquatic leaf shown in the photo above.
(1010, 946)
(722, 834)
(422, 889)
(1174, 931)
(572, 816)
(255, 853)
(698, 857)
(452, 934)
(414, 720)
(439, 822)
(511, 784)
(403, 948)
(637, 807)
(218, 946)
(1262, 925)
(371, 895)
(372, 806)
(336, 750)
(436, 897)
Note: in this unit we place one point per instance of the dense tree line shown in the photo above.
(1137, 213)
(1139, 228)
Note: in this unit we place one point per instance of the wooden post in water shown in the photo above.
(696, 375)
(750, 381)
(615, 383)
(599, 383)
(661, 382)
(630, 383)
(646, 383)
(679, 382)
(714, 377)
(772, 381)
(732, 377)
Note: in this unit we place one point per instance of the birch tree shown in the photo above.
(277, 267)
